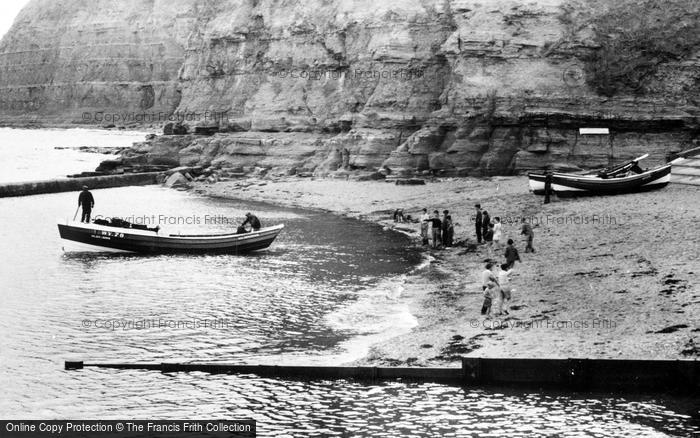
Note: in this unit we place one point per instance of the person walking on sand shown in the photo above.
(477, 223)
(437, 229)
(529, 234)
(497, 232)
(424, 224)
(86, 201)
(488, 279)
(511, 255)
(485, 221)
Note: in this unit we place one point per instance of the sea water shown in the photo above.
(321, 294)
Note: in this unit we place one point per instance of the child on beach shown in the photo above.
(488, 281)
(506, 289)
(529, 235)
(494, 292)
(511, 254)
(437, 229)
(424, 224)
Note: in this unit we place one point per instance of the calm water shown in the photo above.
(325, 290)
(31, 154)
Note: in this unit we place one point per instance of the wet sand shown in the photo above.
(613, 277)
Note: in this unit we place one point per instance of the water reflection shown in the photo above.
(350, 408)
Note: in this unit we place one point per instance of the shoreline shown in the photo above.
(585, 293)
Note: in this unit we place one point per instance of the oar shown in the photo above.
(641, 158)
(76, 213)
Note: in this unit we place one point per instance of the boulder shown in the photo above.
(109, 165)
(177, 180)
(180, 129)
(374, 176)
(174, 129)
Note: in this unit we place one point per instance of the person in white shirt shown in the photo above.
(488, 282)
(497, 232)
(504, 283)
(424, 224)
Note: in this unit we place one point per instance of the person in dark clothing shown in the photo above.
(86, 201)
(252, 220)
(548, 186)
(478, 223)
(511, 255)
(527, 231)
(445, 226)
(437, 229)
(485, 221)
(448, 230)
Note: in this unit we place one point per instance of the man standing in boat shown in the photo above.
(86, 201)
(252, 220)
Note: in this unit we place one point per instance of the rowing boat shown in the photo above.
(625, 178)
(79, 236)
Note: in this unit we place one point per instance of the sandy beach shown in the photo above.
(612, 277)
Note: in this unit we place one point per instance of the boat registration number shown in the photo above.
(107, 235)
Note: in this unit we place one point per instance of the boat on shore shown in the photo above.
(621, 179)
(79, 236)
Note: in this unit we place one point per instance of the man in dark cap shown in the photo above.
(86, 201)
(252, 220)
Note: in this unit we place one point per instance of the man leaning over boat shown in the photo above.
(252, 220)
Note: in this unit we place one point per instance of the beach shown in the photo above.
(612, 277)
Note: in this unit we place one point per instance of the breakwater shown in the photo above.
(76, 184)
(681, 376)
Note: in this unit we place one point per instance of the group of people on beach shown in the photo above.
(495, 277)
(439, 231)
(496, 288)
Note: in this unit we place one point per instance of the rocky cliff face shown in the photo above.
(93, 62)
(455, 87)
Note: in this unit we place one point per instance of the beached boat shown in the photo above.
(105, 238)
(627, 178)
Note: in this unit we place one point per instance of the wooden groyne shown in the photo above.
(76, 184)
(677, 376)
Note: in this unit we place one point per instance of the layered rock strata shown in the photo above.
(453, 87)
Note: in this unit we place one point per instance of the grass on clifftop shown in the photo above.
(634, 37)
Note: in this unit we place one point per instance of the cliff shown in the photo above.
(449, 86)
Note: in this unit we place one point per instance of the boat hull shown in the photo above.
(578, 185)
(92, 237)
